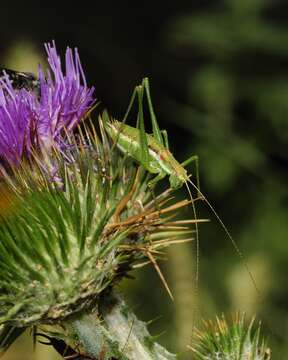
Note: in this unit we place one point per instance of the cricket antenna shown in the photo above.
(224, 227)
(196, 236)
(195, 307)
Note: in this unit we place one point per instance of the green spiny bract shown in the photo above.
(236, 341)
(76, 227)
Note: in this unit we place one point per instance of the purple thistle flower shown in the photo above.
(28, 120)
(18, 117)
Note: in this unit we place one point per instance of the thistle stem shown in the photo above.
(113, 332)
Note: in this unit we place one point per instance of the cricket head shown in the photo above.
(178, 175)
(176, 181)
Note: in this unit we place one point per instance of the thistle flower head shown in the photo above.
(33, 119)
(72, 236)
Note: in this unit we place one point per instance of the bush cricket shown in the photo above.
(152, 152)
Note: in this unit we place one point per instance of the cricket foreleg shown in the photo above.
(152, 183)
(195, 159)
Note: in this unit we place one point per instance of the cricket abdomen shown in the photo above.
(160, 161)
(128, 141)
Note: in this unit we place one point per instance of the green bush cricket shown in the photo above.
(152, 152)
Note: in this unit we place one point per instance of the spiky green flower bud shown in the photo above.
(236, 341)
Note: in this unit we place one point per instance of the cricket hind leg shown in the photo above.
(144, 146)
(160, 136)
(165, 139)
(155, 127)
(136, 96)
(129, 108)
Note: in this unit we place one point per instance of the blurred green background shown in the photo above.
(219, 78)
